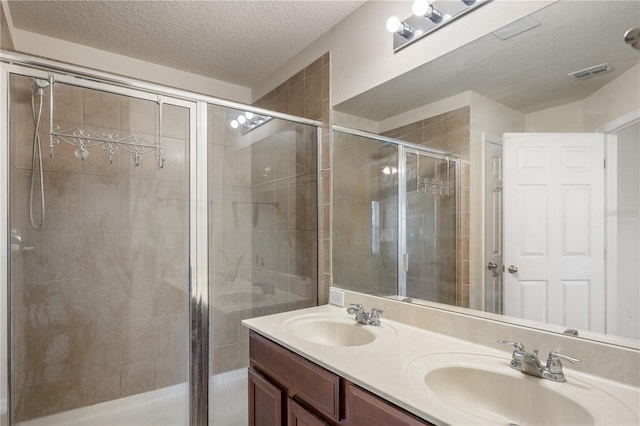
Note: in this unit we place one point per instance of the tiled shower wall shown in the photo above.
(449, 132)
(263, 213)
(307, 94)
(99, 304)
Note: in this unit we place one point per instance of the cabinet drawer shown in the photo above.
(301, 379)
(364, 408)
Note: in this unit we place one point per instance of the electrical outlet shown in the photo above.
(336, 297)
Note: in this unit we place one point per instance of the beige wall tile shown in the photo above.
(137, 378)
(170, 371)
(102, 109)
(313, 95)
(101, 386)
(140, 115)
(26, 403)
(60, 395)
(296, 99)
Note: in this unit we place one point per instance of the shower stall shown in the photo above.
(142, 224)
(395, 218)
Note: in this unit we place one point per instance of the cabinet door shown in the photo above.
(265, 402)
(297, 415)
(363, 408)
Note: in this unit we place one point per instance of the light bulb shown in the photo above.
(394, 170)
(234, 124)
(420, 7)
(394, 24)
(249, 115)
(386, 170)
(242, 119)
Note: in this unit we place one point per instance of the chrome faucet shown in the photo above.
(362, 317)
(529, 363)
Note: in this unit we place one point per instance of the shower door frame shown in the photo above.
(197, 274)
(405, 148)
(198, 206)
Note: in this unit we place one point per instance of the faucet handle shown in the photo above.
(357, 306)
(553, 362)
(376, 312)
(517, 345)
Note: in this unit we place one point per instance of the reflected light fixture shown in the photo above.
(248, 121)
(390, 170)
(428, 16)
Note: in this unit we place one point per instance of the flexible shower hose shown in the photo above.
(36, 158)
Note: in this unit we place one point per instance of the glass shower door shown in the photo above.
(100, 292)
(430, 231)
(365, 214)
(262, 239)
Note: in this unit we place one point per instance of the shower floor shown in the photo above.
(163, 407)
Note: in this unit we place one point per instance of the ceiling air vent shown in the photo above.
(589, 72)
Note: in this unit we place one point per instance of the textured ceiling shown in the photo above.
(240, 42)
(527, 72)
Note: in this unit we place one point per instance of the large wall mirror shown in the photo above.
(546, 227)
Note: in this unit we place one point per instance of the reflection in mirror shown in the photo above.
(546, 235)
(378, 180)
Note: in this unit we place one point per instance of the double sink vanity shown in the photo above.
(322, 365)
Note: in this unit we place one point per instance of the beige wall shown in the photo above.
(563, 118)
(619, 97)
(6, 43)
(72, 53)
(615, 99)
(361, 48)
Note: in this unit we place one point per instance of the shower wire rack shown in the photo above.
(433, 187)
(83, 139)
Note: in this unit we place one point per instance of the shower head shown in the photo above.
(39, 85)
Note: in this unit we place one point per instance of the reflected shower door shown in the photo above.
(365, 214)
(100, 293)
(430, 261)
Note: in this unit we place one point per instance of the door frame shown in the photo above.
(611, 205)
(495, 140)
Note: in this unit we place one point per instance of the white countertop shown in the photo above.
(393, 366)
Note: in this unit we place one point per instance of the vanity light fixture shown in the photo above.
(423, 8)
(395, 25)
(248, 121)
(428, 16)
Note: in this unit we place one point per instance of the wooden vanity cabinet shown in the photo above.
(286, 389)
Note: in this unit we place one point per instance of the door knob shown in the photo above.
(513, 269)
(492, 266)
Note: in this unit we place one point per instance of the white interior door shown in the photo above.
(493, 188)
(554, 228)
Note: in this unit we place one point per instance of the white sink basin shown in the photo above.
(485, 390)
(334, 330)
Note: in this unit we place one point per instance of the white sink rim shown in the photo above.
(337, 331)
(591, 399)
